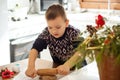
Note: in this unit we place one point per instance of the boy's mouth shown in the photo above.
(56, 34)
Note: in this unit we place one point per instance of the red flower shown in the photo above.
(107, 41)
(99, 21)
(7, 74)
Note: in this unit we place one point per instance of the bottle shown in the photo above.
(16, 68)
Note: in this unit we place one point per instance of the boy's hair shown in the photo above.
(54, 11)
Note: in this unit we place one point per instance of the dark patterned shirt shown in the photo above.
(61, 49)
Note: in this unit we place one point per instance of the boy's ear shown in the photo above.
(67, 23)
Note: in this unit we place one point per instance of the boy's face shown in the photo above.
(57, 26)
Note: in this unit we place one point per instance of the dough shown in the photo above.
(48, 78)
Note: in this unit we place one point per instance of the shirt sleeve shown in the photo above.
(39, 44)
(74, 33)
(42, 41)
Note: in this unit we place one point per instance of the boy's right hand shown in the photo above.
(31, 72)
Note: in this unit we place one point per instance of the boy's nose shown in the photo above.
(54, 31)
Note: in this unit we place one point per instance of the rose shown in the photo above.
(99, 21)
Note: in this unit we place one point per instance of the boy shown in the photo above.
(58, 36)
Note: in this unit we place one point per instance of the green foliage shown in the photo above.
(107, 42)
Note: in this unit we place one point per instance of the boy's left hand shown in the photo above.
(63, 69)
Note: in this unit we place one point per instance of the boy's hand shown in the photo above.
(31, 72)
(63, 69)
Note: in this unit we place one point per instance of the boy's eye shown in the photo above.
(50, 27)
(58, 27)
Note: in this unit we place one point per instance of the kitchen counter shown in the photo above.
(40, 64)
(36, 22)
(27, 27)
(89, 72)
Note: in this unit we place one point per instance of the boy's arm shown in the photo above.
(32, 57)
(73, 60)
(65, 68)
(31, 71)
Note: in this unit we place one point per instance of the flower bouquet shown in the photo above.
(103, 43)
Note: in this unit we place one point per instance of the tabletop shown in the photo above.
(40, 64)
(89, 72)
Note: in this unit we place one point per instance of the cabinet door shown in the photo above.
(100, 1)
(100, 4)
(93, 5)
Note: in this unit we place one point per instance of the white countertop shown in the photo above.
(89, 72)
(36, 23)
(33, 25)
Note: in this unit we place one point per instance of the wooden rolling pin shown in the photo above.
(47, 72)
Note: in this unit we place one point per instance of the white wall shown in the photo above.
(22, 3)
(4, 40)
